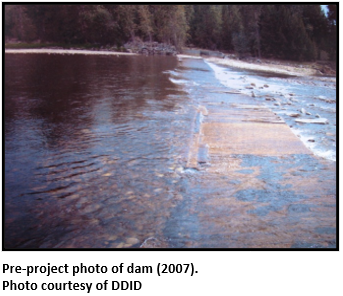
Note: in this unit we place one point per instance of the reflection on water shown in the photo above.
(88, 140)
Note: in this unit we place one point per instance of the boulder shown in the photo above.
(293, 114)
(315, 121)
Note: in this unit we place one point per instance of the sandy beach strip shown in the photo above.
(281, 69)
(67, 51)
(186, 56)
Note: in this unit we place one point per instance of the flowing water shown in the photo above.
(292, 98)
(96, 150)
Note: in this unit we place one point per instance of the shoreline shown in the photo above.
(66, 51)
(271, 66)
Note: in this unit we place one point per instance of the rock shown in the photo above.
(311, 140)
(153, 242)
(317, 115)
(249, 87)
(270, 99)
(107, 175)
(203, 156)
(150, 48)
(253, 84)
(277, 104)
(293, 114)
(292, 94)
(315, 121)
(266, 85)
(132, 240)
(203, 110)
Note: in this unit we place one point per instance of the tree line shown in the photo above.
(294, 32)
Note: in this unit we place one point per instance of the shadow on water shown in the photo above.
(91, 148)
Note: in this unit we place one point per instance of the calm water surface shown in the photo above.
(89, 144)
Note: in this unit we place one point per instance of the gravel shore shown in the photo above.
(276, 67)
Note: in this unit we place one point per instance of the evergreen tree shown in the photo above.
(332, 31)
(231, 25)
(281, 31)
(206, 26)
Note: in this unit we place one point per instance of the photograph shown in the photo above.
(169, 127)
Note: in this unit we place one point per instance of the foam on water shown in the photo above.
(182, 81)
(235, 79)
(313, 146)
(288, 96)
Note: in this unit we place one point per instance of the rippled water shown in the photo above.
(86, 139)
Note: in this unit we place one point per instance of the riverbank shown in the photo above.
(275, 66)
(262, 65)
(66, 51)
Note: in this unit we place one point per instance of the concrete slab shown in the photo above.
(258, 187)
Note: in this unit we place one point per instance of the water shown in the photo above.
(89, 141)
(310, 98)
(96, 153)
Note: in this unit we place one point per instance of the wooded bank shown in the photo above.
(293, 32)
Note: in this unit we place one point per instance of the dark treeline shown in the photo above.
(295, 32)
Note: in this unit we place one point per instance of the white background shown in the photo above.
(264, 273)
(219, 272)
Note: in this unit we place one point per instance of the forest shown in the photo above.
(291, 32)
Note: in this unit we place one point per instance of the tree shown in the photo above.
(18, 24)
(250, 18)
(206, 26)
(231, 25)
(332, 28)
(145, 21)
(283, 33)
(316, 25)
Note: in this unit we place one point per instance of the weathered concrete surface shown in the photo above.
(258, 187)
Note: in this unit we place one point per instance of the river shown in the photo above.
(96, 149)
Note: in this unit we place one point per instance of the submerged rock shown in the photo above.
(316, 121)
(203, 110)
(132, 240)
(293, 114)
(153, 242)
(203, 154)
(270, 99)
